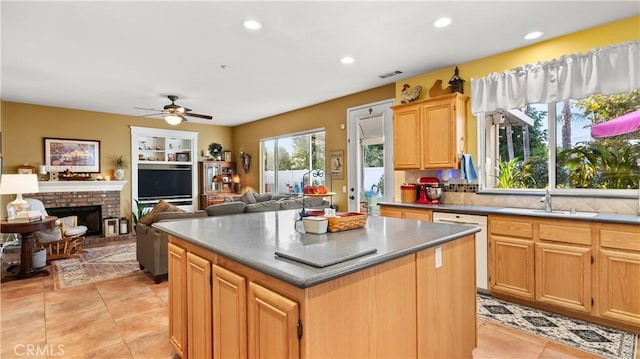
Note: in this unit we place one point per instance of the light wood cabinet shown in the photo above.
(563, 275)
(511, 256)
(618, 266)
(177, 263)
(429, 134)
(272, 321)
(579, 268)
(199, 307)
(230, 323)
(406, 213)
(563, 264)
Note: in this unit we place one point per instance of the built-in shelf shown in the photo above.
(80, 186)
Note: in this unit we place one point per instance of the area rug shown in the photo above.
(95, 265)
(592, 338)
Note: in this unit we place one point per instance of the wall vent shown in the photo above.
(389, 74)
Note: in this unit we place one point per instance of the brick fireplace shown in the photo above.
(84, 199)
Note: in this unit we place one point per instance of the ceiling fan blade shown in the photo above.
(152, 114)
(206, 117)
(147, 109)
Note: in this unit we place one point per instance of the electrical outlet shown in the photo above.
(438, 257)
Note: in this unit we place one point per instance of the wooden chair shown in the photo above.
(64, 240)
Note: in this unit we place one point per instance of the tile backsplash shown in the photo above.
(457, 192)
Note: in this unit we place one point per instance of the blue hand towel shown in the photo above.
(467, 169)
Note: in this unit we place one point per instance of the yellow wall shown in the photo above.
(328, 115)
(579, 42)
(24, 126)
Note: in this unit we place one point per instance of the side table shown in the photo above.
(26, 231)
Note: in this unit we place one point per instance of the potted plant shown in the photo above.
(120, 163)
(215, 149)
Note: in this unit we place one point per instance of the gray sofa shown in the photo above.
(151, 243)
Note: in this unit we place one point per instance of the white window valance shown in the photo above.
(606, 71)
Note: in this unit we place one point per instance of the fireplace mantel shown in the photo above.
(80, 186)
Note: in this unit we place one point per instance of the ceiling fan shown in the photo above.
(174, 114)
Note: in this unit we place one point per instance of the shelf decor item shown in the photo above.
(227, 156)
(62, 154)
(215, 150)
(120, 163)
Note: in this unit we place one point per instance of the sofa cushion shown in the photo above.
(165, 216)
(225, 208)
(263, 206)
(293, 203)
(262, 197)
(162, 206)
(248, 198)
(310, 202)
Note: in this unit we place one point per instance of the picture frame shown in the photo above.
(227, 156)
(171, 157)
(336, 164)
(26, 170)
(61, 154)
(182, 156)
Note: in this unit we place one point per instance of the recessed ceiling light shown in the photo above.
(533, 35)
(442, 22)
(252, 25)
(347, 60)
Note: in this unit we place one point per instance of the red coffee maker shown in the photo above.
(429, 190)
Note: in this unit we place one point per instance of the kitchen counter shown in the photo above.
(252, 240)
(488, 210)
(226, 283)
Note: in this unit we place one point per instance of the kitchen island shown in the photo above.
(409, 292)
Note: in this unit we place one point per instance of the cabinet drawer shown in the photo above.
(510, 226)
(621, 237)
(561, 232)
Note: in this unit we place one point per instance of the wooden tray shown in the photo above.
(345, 221)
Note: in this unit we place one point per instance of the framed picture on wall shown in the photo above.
(61, 154)
(336, 164)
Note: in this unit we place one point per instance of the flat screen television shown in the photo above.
(164, 183)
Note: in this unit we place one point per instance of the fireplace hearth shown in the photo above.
(89, 216)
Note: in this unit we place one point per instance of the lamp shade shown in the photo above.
(18, 184)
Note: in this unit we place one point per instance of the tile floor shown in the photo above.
(128, 318)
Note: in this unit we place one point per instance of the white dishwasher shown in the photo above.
(481, 241)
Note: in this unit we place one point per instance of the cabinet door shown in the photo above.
(406, 138)
(563, 275)
(392, 212)
(511, 267)
(438, 136)
(230, 323)
(199, 307)
(419, 214)
(177, 263)
(273, 321)
(618, 296)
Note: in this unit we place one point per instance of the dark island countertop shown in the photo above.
(253, 238)
(488, 210)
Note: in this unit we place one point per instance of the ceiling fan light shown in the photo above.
(173, 119)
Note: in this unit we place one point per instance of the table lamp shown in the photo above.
(18, 184)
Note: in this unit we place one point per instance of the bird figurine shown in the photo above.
(437, 90)
(409, 95)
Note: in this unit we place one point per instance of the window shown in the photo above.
(550, 145)
(286, 160)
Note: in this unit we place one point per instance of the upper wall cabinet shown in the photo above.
(429, 134)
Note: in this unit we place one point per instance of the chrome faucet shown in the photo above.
(547, 200)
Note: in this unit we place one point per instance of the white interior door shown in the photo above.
(369, 130)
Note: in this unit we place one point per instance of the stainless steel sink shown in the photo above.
(541, 212)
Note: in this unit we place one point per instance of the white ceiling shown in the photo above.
(113, 56)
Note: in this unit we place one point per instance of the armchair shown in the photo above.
(64, 240)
